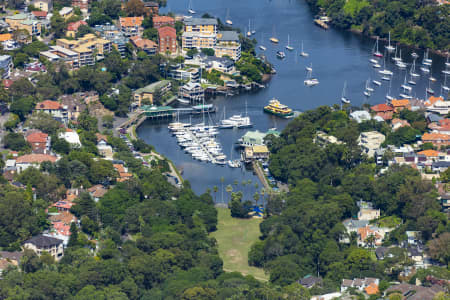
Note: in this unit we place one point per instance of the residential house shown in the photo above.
(199, 33)
(414, 292)
(329, 296)
(61, 223)
(33, 160)
(63, 206)
(40, 15)
(152, 7)
(413, 237)
(442, 126)
(9, 259)
(167, 37)
(43, 5)
(370, 141)
(431, 100)
(161, 21)
(221, 64)
(39, 142)
(6, 65)
(41, 243)
(358, 283)
(310, 281)
(360, 116)
(104, 149)
(398, 123)
(398, 105)
(228, 44)
(440, 166)
(146, 45)
(322, 139)
(83, 5)
(415, 254)
(97, 192)
(131, 26)
(72, 28)
(8, 43)
(25, 22)
(123, 172)
(147, 92)
(382, 108)
(114, 35)
(71, 137)
(431, 154)
(192, 92)
(75, 104)
(66, 12)
(369, 231)
(367, 212)
(437, 139)
(190, 74)
(54, 108)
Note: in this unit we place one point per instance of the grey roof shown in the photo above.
(200, 21)
(414, 252)
(152, 87)
(309, 281)
(229, 36)
(441, 164)
(41, 241)
(380, 252)
(11, 255)
(223, 60)
(356, 223)
(434, 118)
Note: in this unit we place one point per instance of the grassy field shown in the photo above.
(235, 237)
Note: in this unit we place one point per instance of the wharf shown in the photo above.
(321, 23)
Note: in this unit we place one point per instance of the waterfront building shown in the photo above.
(192, 92)
(161, 21)
(147, 92)
(221, 64)
(228, 44)
(131, 26)
(6, 65)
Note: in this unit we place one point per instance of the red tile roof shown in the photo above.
(435, 136)
(7, 83)
(429, 153)
(400, 103)
(35, 158)
(48, 104)
(142, 43)
(382, 108)
(163, 19)
(73, 26)
(63, 204)
(39, 14)
(386, 115)
(131, 21)
(167, 31)
(37, 137)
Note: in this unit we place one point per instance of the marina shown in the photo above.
(337, 56)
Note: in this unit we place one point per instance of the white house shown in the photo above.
(71, 137)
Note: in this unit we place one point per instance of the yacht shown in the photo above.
(374, 61)
(262, 48)
(309, 69)
(425, 69)
(236, 121)
(227, 19)
(310, 81)
(368, 87)
(190, 9)
(412, 72)
(234, 163)
(414, 55)
(281, 54)
(427, 61)
(278, 109)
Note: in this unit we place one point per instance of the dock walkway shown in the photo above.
(211, 157)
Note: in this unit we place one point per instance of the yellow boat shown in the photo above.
(274, 40)
(278, 109)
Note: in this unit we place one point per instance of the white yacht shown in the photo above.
(310, 81)
(389, 47)
(376, 82)
(344, 98)
(288, 46)
(303, 53)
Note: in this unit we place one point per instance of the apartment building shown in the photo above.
(89, 48)
(167, 37)
(43, 5)
(41, 243)
(161, 21)
(25, 22)
(228, 44)
(199, 33)
(83, 5)
(114, 35)
(6, 65)
(131, 26)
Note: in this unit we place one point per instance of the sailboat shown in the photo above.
(249, 33)
(376, 82)
(412, 72)
(446, 71)
(190, 9)
(344, 98)
(368, 87)
(309, 69)
(399, 62)
(445, 87)
(368, 90)
(288, 46)
(388, 94)
(273, 39)
(396, 58)
(375, 50)
(431, 78)
(447, 63)
(227, 19)
(310, 81)
(427, 61)
(414, 55)
(389, 47)
(385, 71)
(429, 90)
(405, 86)
(261, 46)
(303, 53)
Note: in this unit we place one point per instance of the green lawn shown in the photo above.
(235, 237)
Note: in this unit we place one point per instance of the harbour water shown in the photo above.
(336, 57)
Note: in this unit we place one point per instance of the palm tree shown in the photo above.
(256, 186)
(256, 198)
(222, 180)
(229, 189)
(235, 182)
(215, 190)
(370, 240)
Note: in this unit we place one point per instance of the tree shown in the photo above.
(20, 59)
(83, 30)
(58, 25)
(256, 198)
(208, 51)
(108, 121)
(229, 189)
(215, 190)
(151, 34)
(44, 122)
(135, 8)
(439, 248)
(22, 107)
(15, 142)
(192, 52)
(73, 240)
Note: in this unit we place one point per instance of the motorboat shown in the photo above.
(310, 81)
(376, 66)
(430, 91)
(262, 48)
(376, 82)
(281, 54)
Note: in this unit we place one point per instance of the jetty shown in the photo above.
(321, 23)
